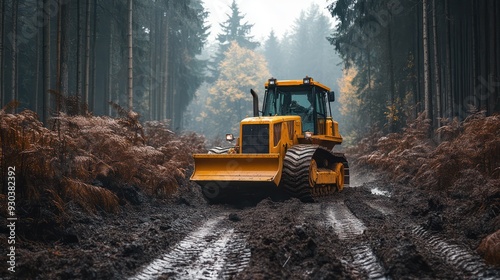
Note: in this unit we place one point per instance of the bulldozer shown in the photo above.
(286, 148)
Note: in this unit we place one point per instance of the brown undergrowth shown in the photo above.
(413, 157)
(462, 169)
(87, 161)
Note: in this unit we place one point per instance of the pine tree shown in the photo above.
(232, 30)
(273, 54)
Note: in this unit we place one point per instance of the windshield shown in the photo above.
(286, 102)
(282, 103)
(294, 102)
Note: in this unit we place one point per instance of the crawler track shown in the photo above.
(296, 171)
(295, 178)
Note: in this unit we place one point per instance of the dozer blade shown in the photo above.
(235, 170)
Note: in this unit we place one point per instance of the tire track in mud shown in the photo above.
(211, 252)
(347, 227)
(454, 255)
(365, 259)
(344, 222)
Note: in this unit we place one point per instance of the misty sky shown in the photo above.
(278, 15)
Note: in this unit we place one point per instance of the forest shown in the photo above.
(399, 59)
(77, 57)
(104, 102)
(402, 58)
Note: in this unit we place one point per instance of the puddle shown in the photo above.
(377, 191)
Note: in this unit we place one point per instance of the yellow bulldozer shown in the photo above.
(287, 149)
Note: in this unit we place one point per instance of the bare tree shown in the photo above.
(2, 25)
(437, 79)
(130, 58)
(58, 57)
(78, 56)
(449, 96)
(492, 56)
(46, 61)
(165, 93)
(427, 86)
(152, 61)
(15, 5)
(87, 56)
(93, 61)
(391, 77)
(64, 47)
(110, 63)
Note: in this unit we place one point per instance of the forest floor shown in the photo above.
(371, 229)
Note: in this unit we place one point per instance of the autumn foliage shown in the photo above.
(87, 161)
(413, 157)
(490, 248)
(228, 100)
(462, 167)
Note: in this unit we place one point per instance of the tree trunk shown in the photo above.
(159, 64)
(493, 82)
(130, 58)
(78, 58)
(15, 5)
(437, 79)
(37, 75)
(418, 93)
(370, 91)
(497, 12)
(391, 78)
(449, 96)
(64, 86)
(483, 55)
(173, 90)
(110, 61)
(152, 62)
(58, 58)
(2, 25)
(85, 99)
(93, 62)
(427, 87)
(165, 93)
(369, 66)
(46, 62)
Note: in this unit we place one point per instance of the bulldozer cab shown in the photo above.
(304, 98)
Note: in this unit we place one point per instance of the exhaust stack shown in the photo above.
(255, 103)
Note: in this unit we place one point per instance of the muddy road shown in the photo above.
(371, 230)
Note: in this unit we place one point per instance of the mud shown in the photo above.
(371, 230)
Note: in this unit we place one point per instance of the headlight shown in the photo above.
(271, 82)
(308, 134)
(229, 137)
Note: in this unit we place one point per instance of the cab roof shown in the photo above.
(281, 83)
